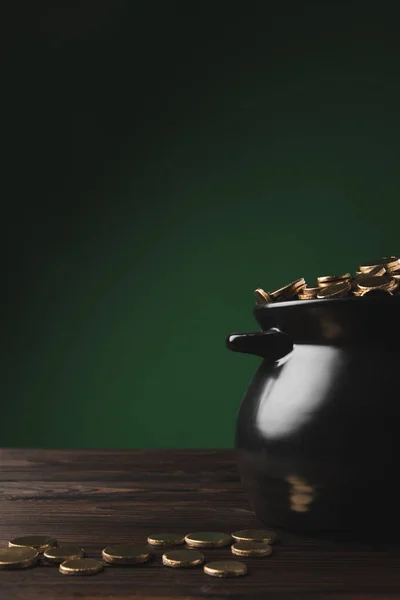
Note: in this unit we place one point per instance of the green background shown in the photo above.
(145, 216)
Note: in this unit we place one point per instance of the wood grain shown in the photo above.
(98, 497)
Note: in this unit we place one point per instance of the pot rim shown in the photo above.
(334, 320)
(330, 302)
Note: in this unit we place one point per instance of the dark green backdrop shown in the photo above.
(165, 165)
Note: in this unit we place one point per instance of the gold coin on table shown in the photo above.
(182, 558)
(261, 296)
(376, 282)
(390, 263)
(336, 290)
(166, 539)
(81, 566)
(39, 542)
(255, 535)
(330, 279)
(225, 568)
(289, 291)
(18, 557)
(208, 539)
(251, 549)
(126, 554)
(59, 554)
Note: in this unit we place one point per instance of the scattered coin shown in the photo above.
(81, 566)
(59, 554)
(255, 535)
(18, 557)
(225, 568)
(166, 539)
(251, 549)
(182, 558)
(126, 554)
(39, 542)
(208, 539)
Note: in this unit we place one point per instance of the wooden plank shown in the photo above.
(97, 497)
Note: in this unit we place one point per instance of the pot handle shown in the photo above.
(272, 344)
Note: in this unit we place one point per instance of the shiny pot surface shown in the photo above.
(318, 430)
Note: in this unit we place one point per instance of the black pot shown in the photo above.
(318, 431)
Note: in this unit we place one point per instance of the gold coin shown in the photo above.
(225, 568)
(336, 290)
(392, 268)
(389, 262)
(308, 293)
(359, 293)
(376, 271)
(39, 542)
(376, 282)
(59, 554)
(301, 498)
(251, 549)
(261, 296)
(360, 276)
(295, 480)
(182, 558)
(208, 539)
(81, 566)
(330, 279)
(376, 292)
(303, 487)
(299, 508)
(126, 554)
(255, 535)
(166, 539)
(289, 290)
(310, 290)
(395, 274)
(18, 557)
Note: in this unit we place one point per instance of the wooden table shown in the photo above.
(96, 497)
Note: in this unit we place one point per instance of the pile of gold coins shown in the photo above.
(28, 551)
(380, 276)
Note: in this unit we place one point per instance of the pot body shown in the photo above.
(318, 430)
